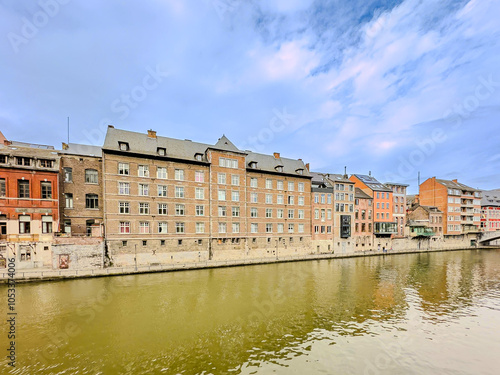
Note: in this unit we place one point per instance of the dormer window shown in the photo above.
(123, 146)
(300, 171)
(253, 164)
(161, 151)
(198, 157)
(279, 168)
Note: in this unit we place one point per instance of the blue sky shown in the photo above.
(388, 87)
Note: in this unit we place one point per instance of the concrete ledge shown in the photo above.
(35, 275)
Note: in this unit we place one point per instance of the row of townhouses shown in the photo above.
(147, 199)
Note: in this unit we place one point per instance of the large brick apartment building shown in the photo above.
(174, 200)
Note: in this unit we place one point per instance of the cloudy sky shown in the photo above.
(392, 87)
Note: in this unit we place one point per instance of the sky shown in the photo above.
(393, 88)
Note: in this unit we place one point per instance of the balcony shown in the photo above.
(385, 228)
(421, 231)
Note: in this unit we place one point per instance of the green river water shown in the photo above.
(429, 313)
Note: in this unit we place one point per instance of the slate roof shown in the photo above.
(83, 150)
(455, 185)
(186, 149)
(360, 194)
(491, 198)
(372, 183)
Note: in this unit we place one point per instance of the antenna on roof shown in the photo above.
(418, 178)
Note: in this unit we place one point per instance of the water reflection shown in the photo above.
(388, 314)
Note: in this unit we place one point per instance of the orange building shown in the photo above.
(29, 204)
(460, 204)
(383, 221)
(363, 220)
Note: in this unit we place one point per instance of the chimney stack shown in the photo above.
(307, 166)
(455, 180)
(276, 155)
(65, 146)
(151, 133)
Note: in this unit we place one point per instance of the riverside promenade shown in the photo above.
(47, 274)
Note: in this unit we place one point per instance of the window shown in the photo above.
(123, 168)
(161, 173)
(228, 163)
(143, 171)
(290, 186)
(269, 228)
(144, 227)
(179, 227)
(290, 199)
(222, 195)
(280, 199)
(23, 189)
(222, 227)
(179, 192)
(290, 214)
(301, 228)
(382, 205)
(24, 224)
(253, 197)
(161, 151)
(329, 214)
(322, 198)
(144, 208)
(253, 212)
(199, 193)
(291, 228)
(46, 188)
(301, 214)
(254, 227)
(253, 164)
(235, 180)
(279, 168)
(68, 174)
(198, 156)
(162, 209)
(46, 224)
(316, 214)
(199, 210)
(221, 178)
(68, 198)
(301, 201)
(269, 212)
(91, 176)
(200, 227)
(301, 186)
(123, 188)
(91, 201)
(180, 210)
(162, 227)
(235, 196)
(279, 185)
(124, 226)
(253, 182)
(124, 207)
(23, 161)
(162, 190)
(144, 190)
(235, 211)
(269, 198)
(280, 213)
(269, 184)
(3, 159)
(236, 227)
(123, 146)
(316, 198)
(179, 174)
(222, 211)
(199, 176)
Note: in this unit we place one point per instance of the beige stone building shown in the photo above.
(168, 200)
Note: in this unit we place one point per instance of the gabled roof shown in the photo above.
(455, 185)
(372, 183)
(360, 194)
(269, 163)
(225, 144)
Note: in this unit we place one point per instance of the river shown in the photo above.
(427, 313)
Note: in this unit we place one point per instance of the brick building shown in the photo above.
(363, 220)
(322, 213)
(425, 221)
(29, 205)
(490, 211)
(398, 205)
(460, 204)
(383, 221)
(81, 203)
(170, 200)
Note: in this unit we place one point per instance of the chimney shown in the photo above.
(307, 166)
(151, 133)
(65, 146)
(276, 155)
(455, 180)
(369, 173)
(111, 126)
